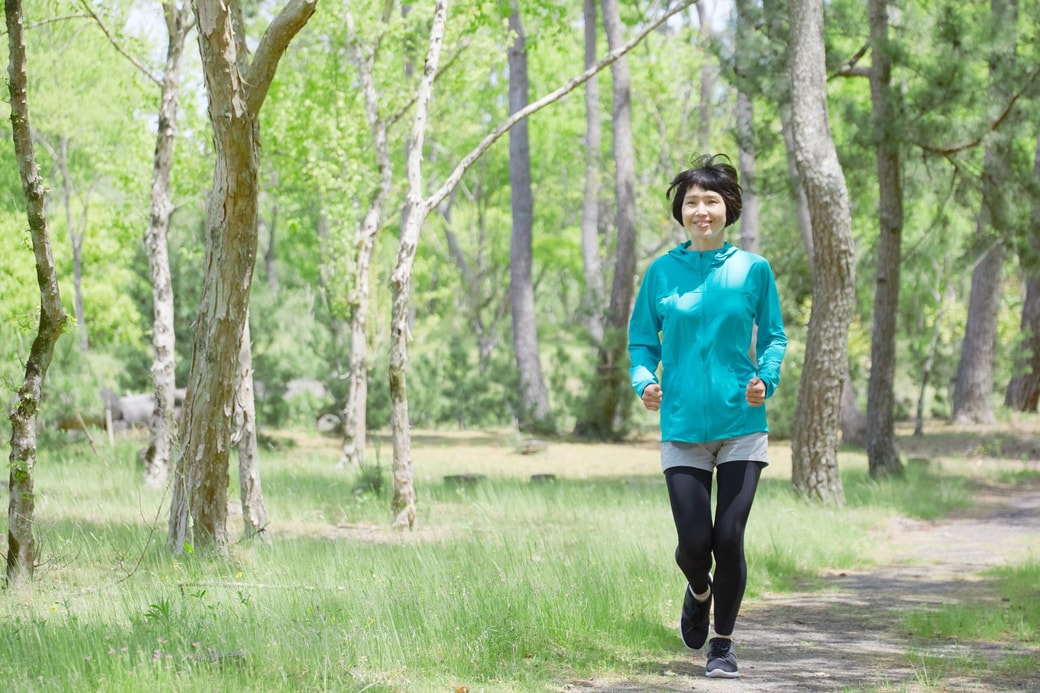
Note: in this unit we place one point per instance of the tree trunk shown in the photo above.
(1023, 390)
(707, 82)
(606, 405)
(973, 387)
(801, 202)
(882, 457)
(157, 454)
(254, 512)
(750, 215)
(592, 261)
(402, 505)
(853, 419)
(815, 440)
(534, 413)
(355, 422)
(21, 544)
(236, 88)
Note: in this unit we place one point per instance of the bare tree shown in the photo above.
(417, 207)
(533, 396)
(21, 543)
(881, 436)
(814, 443)
(237, 88)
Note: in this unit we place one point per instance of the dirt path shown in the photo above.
(842, 632)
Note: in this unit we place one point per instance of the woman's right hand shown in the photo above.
(652, 397)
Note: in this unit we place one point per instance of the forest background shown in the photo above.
(713, 78)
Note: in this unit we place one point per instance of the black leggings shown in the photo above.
(689, 491)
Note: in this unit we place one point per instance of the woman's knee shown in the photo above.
(693, 555)
(728, 544)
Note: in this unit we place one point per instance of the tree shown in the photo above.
(608, 397)
(750, 215)
(254, 510)
(882, 457)
(973, 387)
(1023, 390)
(237, 88)
(417, 207)
(179, 21)
(534, 398)
(355, 422)
(814, 444)
(592, 262)
(21, 544)
(707, 82)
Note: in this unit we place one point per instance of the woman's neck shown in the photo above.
(701, 246)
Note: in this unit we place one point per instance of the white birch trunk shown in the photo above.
(254, 512)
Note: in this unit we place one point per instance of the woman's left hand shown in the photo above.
(755, 392)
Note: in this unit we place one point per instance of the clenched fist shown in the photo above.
(755, 392)
(652, 397)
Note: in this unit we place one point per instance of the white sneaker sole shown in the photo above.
(720, 674)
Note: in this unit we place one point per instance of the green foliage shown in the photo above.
(448, 386)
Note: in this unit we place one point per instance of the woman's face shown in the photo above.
(704, 217)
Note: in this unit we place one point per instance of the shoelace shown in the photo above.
(718, 650)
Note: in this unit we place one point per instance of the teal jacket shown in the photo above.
(694, 317)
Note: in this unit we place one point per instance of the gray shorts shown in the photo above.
(706, 456)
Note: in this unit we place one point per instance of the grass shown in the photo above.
(1007, 609)
(508, 585)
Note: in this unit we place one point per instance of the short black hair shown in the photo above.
(711, 172)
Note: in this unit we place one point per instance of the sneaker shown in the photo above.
(722, 663)
(695, 618)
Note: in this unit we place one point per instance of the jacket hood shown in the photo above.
(683, 253)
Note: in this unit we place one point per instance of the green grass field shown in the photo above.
(508, 584)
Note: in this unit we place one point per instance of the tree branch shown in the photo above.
(850, 67)
(118, 46)
(272, 47)
(553, 96)
(950, 150)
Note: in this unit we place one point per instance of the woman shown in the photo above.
(697, 309)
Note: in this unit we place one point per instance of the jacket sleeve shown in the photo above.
(772, 340)
(644, 336)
